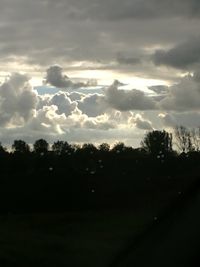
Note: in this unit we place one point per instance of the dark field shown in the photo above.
(68, 239)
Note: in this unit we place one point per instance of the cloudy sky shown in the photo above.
(98, 71)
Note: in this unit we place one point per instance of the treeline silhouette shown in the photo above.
(71, 177)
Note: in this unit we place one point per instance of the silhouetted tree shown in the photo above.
(195, 138)
(157, 143)
(89, 148)
(19, 146)
(104, 147)
(183, 139)
(41, 146)
(119, 147)
(2, 149)
(61, 147)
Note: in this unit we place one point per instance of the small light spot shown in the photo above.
(93, 191)
(92, 172)
(179, 192)
(42, 154)
(158, 157)
(155, 218)
(51, 169)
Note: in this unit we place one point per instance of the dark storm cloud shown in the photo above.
(180, 56)
(127, 60)
(116, 9)
(44, 32)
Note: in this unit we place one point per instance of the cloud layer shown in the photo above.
(112, 35)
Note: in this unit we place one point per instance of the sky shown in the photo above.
(98, 71)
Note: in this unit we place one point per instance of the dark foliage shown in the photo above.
(70, 177)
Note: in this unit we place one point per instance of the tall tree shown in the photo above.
(157, 143)
(184, 138)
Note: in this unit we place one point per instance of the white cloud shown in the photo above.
(63, 103)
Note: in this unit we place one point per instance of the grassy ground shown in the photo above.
(68, 239)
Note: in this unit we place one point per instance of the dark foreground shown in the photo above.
(110, 209)
(68, 239)
(166, 235)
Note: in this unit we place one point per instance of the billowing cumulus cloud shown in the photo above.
(63, 103)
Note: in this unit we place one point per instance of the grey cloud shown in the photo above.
(115, 10)
(127, 60)
(183, 96)
(181, 56)
(17, 100)
(76, 96)
(140, 122)
(93, 105)
(56, 77)
(188, 119)
(143, 124)
(124, 100)
(100, 122)
(159, 89)
(27, 27)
